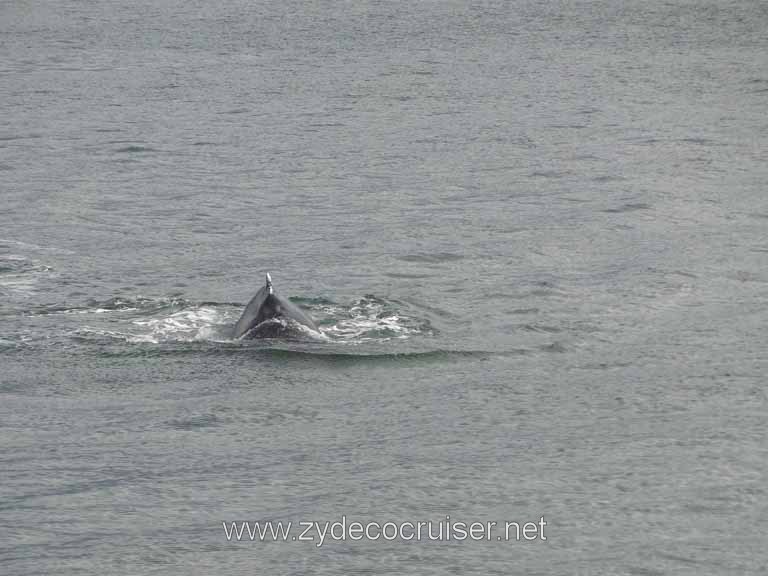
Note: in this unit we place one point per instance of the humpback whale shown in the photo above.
(270, 316)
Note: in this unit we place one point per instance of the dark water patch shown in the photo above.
(406, 276)
(630, 207)
(698, 141)
(11, 137)
(605, 365)
(758, 85)
(195, 422)
(204, 143)
(746, 276)
(431, 258)
(683, 273)
(491, 169)
(326, 125)
(641, 571)
(543, 291)
(679, 559)
(524, 311)
(646, 141)
(607, 178)
(76, 69)
(543, 328)
(662, 272)
(431, 140)
(554, 174)
(555, 347)
(421, 73)
(589, 157)
(135, 150)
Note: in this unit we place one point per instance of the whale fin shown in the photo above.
(269, 283)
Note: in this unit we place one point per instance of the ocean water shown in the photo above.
(534, 236)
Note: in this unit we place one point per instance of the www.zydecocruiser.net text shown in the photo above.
(344, 530)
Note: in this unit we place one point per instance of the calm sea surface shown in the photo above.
(534, 236)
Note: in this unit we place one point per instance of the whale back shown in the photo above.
(250, 314)
(266, 305)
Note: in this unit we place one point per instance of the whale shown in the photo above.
(269, 315)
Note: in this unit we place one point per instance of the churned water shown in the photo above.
(534, 236)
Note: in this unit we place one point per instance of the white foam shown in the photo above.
(186, 326)
(369, 322)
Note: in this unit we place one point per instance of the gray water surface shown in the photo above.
(534, 236)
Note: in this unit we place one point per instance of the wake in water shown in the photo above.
(173, 319)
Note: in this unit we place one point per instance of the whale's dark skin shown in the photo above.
(269, 316)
